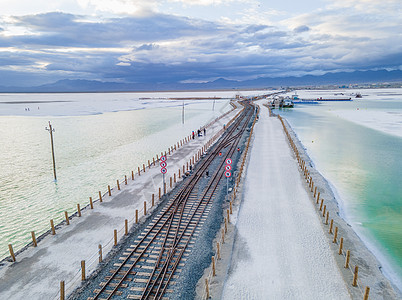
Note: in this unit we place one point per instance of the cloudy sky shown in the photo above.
(171, 41)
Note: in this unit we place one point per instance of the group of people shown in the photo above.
(199, 133)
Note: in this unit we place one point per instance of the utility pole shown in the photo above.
(51, 130)
(182, 114)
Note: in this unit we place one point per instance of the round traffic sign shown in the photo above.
(228, 167)
(163, 170)
(163, 164)
(228, 174)
(228, 161)
(163, 158)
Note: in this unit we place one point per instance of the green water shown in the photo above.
(363, 164)
(92, 151)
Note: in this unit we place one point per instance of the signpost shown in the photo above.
(164, 170)
(228, 168)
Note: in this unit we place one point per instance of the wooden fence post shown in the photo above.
(331, 225)
(159, 193)
(136, 216)
(153, 200)
(213, 266)
(174, 177)
(340, 246)
(100, 196)
(125, 179)
(318, 197)
(67, 220)
(82, 270)
(115, 237)
(206, 287)
(139, 171)
(355, 275)
(143, 167)
(34, 242)
(78, 209)
(326, 218)
(145, 208)
(218, 250)
(126, 227)
(62, 291)
(366, 293)
(109, 190)
(118, 185)
(132, 175)
(347, 259)
(100, 253)
(10, 248)
(335, 234)
(170, 182)
(91, 203)
(52, 226)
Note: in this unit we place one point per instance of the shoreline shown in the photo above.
(372, 271)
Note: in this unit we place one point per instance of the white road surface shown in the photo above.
(280, 251)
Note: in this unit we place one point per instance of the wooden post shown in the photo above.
(170, 181)
(183, 170)
(66, 215)
(125, 179)
(315, 191)
(213, 266)
(143, 167)
(206, 287)
(91, 203)
(323, 212)
(109, 190)
(157, 157)
(223, 236)
(322, 201)
(83, 270)
(179, 174)
(62, 291)
(160, 193)
(118, 185)
(330, 226)
(326, 218)
(340, 246)
(347, 259)
(78, 209)
(115, 237)
(366, 293)
(164, 188)
(355, 275)
(187, 166)
(318, 197)
(34, 242)
(153, 200)
(139, 171)
(145, 208)
(149, 164)
(228, 214)
(126, 227)
(226, 225)
(335, 234)
(132, 175)
(136, 216)
(153, 160)
(100, 253)
(52, 226)
(100, 196)
(230, 207)
(174, 177)
(10, 248)
(218, 250)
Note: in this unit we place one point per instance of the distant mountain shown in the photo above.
(340, 78)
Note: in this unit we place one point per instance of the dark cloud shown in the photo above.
(302, 28)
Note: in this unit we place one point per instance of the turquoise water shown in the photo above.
(362, 163)
(94, 146)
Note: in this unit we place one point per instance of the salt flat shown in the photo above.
(280, 250)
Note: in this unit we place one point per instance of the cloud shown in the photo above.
(156, 47)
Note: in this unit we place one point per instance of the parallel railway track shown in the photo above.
(151, 263)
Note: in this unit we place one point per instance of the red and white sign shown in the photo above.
(228, 174)
(228, 161)
(163, 170)
(163, 158)
(228, 167)
(163, 164)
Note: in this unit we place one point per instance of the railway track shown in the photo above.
(150, 265)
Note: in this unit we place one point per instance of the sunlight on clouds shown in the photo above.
(133, 7)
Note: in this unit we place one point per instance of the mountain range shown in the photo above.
(340, 78)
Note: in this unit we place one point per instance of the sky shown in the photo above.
(170, 41)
